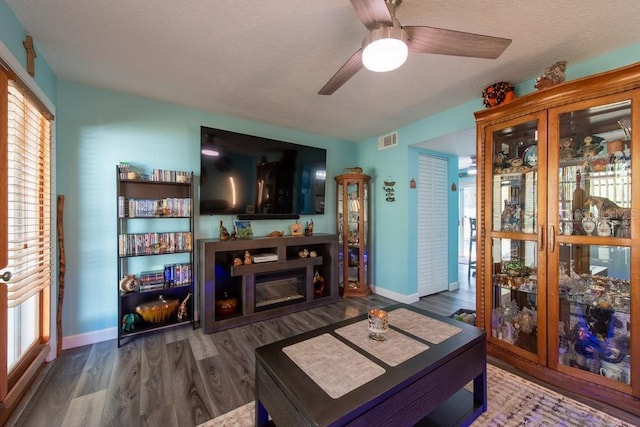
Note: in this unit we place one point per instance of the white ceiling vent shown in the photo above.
(388, 141)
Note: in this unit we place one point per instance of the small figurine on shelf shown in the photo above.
(308, 228)
(224, 234)
(234, 232)
(296, 229)
(129, 321)
(182, 309)
(567, 150)
(237, 262)
(247, 258)
(318, 284)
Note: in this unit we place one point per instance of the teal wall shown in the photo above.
(97, 128)
(394, 243)
(12, 35)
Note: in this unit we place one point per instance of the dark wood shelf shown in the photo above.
(271, 266)
(214, 255)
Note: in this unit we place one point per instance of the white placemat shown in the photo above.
(425, 327)
(395, 350)
(333, 365)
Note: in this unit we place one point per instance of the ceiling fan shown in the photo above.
(386, 33)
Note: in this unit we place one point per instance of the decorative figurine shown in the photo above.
(224, 234)
(129, 321)
(182, 308)
(247, 258)
(318, 285)
(552, 75)
(567, 151)
(237, 262)
(607, 208)
(308, 228)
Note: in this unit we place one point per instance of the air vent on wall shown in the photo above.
(387, 141)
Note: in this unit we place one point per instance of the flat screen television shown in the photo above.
(255, 177)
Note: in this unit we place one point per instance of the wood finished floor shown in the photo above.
(181, 377)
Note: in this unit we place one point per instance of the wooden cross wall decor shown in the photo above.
(31, 54)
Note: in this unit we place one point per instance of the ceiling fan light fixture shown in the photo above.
(384, 49)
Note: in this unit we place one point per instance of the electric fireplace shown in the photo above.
(279, 288)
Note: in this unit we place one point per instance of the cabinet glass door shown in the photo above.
(515, 178)
(353, 233)
(514, 317)
(593, 254)
(517, 318)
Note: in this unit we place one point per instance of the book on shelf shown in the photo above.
(177, 274)
(149, 208)
(155, 243)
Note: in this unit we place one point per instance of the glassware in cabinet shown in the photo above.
(515, 178)
(353, 233)
(515, 295)
(592, 261)
(594, 311)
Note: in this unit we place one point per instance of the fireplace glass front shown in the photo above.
(279, 288)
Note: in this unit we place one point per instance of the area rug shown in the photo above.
(512, 400)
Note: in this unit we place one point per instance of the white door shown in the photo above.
(433, 237)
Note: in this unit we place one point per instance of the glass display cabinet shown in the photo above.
(353, 233)
(556, 250)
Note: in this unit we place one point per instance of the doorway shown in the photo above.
(467, 203)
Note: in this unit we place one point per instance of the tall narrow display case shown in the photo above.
(155, 251)
(353, 233)
(558, 246)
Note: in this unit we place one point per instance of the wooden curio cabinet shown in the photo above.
(353, 233)
(558, 240)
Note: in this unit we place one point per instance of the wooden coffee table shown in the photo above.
(335, 375)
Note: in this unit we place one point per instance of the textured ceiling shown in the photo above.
(266, 60)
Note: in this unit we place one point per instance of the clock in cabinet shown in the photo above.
(353, 229)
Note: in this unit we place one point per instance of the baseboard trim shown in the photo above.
(406, 299)
(93, 337)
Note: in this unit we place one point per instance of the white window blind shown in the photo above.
(28, 197)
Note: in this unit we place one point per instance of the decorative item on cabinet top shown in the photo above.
(552, 75)
(497, 94)
(353, 170)
(244, 230)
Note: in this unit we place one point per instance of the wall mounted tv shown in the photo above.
(254, 177)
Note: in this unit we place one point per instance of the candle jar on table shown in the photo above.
(378, 324)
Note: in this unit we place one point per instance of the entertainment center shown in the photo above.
(304, 275)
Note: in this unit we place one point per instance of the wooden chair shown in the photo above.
(472, 241)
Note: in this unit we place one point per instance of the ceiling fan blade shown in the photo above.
(352, 66)
(450, 42)
(372, 13)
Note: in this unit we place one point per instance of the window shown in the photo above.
(25, 216)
